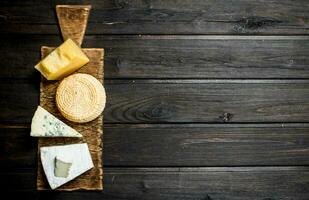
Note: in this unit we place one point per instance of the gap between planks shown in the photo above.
(182, 125)
(177, 169)
(178, 80)
(205, 81)
(185, 36)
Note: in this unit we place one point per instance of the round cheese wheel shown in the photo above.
(80, 98)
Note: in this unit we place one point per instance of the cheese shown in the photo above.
(45, 124)
(77, 154)
(63, 61)
(62, 168)
(80, 98)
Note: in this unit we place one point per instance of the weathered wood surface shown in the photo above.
(73, 21)
(17, 149)
(164, 17)
(179, 145)
(205, 145)
(183, 183)
(207, 101)
(180, 101)
(175, 117)
(173, 56)
(92, 131)
(25, 94)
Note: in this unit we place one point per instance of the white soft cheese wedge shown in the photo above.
(45, 124)
(77, 154)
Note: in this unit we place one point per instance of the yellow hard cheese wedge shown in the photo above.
(63, 61)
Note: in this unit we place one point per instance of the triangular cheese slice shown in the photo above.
(73, 21)
(45, 124)
(77, 155)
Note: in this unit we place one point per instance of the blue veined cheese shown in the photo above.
(77, 155)
(45, 124)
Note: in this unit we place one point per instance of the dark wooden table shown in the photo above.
(207, 99)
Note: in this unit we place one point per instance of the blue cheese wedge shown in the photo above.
(45, 124)
(75, 158)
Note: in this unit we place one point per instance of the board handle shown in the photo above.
(73, 21)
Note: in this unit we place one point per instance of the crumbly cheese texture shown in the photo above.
(63, 61)
(45, 124)
(76, 154)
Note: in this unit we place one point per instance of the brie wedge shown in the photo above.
(45, 124)
(77, 155)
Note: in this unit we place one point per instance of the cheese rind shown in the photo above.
(45, 124)
(80, 98)
(63, 61)
(78, 153)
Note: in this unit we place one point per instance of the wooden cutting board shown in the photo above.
(73, 22)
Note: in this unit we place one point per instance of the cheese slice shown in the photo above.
(45, 124)
(63, 61)
(77, 155)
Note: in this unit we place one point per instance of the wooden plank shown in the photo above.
(189, 101)
(181, 101)
(205, 145)
(17, 148)
(254, 183)
(26, 195)
(92, 131)
(179, 145)
(173, 56)
(18, 101)
(73, 21)
(164, 17)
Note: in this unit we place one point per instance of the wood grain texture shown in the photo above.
(254, 183)
(190, 145)
(181, 101)
(178, 57)
(205, 145)
(164, 17)
(194, 101)
(25, 96)
(178, 105)
(17, 148)
(92, 131)
(73, 21)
